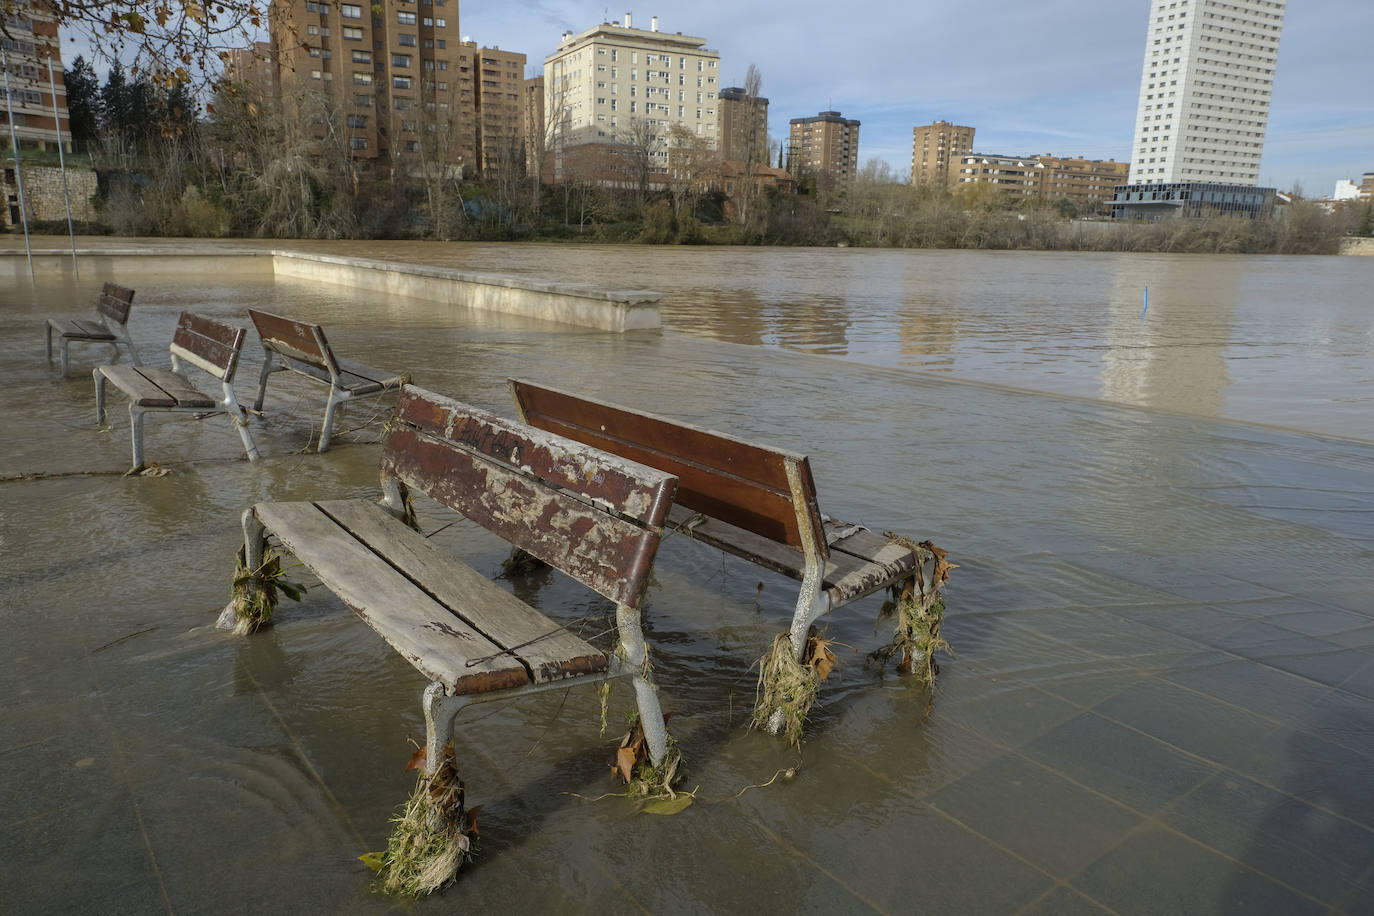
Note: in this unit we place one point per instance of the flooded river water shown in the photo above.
(1161, 697)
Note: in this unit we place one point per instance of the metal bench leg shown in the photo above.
(47, 339)
(254, 545)
(262, 379)
(133, 351)
(99, 396)
(440, 710)
(634, 653)
(240, 421)
(136, 423)
(62, 346)
(812, 604)
(335, 397)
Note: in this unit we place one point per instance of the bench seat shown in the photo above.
(859, 563)
(452, 623)
(76, 329)
(152, 387)
(109, 326)
(354, 377)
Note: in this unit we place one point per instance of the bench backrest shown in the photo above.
(295, 340)
(114, 302)
(208, 344)
(760, 489)
(595, 516)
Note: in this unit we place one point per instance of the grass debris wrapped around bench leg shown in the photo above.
(788, 686)
(258, 577)
(920, 610)
(434, 832)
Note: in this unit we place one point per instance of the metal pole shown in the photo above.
(62, 162)
(18, 172)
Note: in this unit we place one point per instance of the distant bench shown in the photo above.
(595, 516)
(751, 500)
(202, 342)
(109, 325)
(302, 348)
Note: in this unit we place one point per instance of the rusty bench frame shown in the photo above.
(596, 517)
(110, 325)
(209, 345)
(302, 348)
(754, 501)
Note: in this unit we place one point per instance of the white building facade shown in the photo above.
(612, 82)
(1205, 88)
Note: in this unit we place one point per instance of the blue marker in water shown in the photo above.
(1147, 303)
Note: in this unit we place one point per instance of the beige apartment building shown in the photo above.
(255, 66)
(389, 69)
(30, 37)
(743, 127)
(614, 85)
(491, 99)
(824, 147)
(936, 150)
(1089, 183)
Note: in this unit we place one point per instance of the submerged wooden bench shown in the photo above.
(595, 516)
(109, 325)
(198, 341)
(303, 348)
(751, 500)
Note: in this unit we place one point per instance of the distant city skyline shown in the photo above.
(1059, 77)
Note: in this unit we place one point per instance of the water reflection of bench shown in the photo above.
(109, 325)
(302, 348)
(594, 516)
(202, 342)
(754, 501)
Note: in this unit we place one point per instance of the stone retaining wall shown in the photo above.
(43, 194)
(1358, 246)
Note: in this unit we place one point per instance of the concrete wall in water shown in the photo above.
(564, 303)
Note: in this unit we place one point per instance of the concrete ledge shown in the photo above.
(1357, 246)
(566, 303)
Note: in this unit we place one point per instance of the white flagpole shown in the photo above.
(62, 162)
(18, 171)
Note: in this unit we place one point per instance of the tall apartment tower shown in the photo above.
(936, 150)
(1204, 91)
(391, 66)
(613, 81)
(825, 147)
(491, 98)
(743, 131)
(30, 36)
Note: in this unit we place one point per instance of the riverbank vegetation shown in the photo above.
(248, 167)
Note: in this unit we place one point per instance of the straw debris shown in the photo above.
(644, 780)
(255, 591)
(919, 609)
(788, 686)
(434, 833)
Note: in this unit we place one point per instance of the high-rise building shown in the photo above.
(496, 83)
(30, 36)
(1204, 91)
(386, 70)
(743, 131)
(535, 136)
(618, 86)
(935, 153)
(824, 147)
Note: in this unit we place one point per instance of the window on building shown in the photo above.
(413, 146)
(403, 18)
(406, 41)
(357, 120)
(352, 33)
(350, 11)
(357, 143)
(362, 57)
(400, 60)
(440, 23)
(314, 74)
(363, 101)
(362, 79)
(400, 82)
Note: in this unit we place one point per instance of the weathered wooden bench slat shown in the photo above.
(724, 477)
(548, 651)
(425, 632)
(91, 330)
(140, 389)
(590, 545)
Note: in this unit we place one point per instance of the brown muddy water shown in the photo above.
(1162, 693)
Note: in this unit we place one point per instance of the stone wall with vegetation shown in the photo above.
(44, 197)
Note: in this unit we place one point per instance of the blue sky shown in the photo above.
(1053, 76)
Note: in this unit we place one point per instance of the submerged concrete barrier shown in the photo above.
(565, 303)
